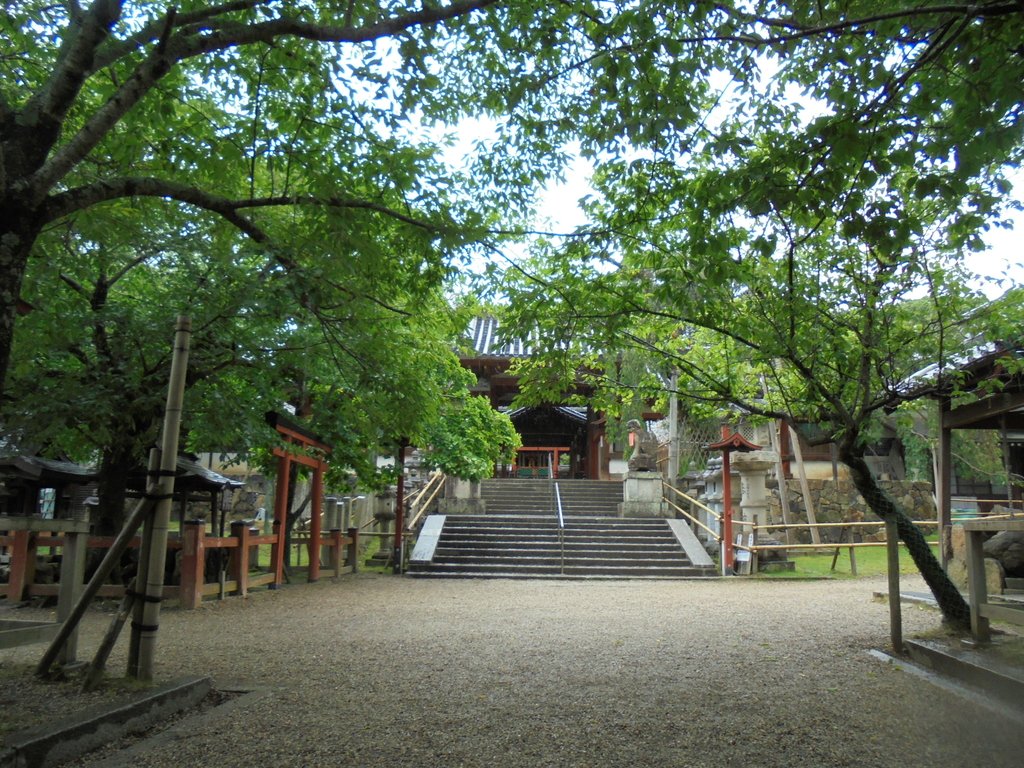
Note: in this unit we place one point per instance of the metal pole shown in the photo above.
(152, 589)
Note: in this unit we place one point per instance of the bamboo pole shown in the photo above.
(805, 489)
(94, 673)
(113, 555)
(780, 472)
(148, 607)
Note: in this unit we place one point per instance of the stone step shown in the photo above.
(511, 546)
(504, 570)
(576, 559)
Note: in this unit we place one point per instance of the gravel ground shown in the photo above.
(374, 670)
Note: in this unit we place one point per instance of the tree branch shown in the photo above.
(76, 199)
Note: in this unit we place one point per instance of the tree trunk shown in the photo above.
(955, 610)
(16, 240)
(115, 465)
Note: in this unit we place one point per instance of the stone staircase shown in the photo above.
(527, 546)
(533, 497)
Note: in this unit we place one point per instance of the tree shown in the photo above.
(90, 365)
(237, 110)
(327, 103)
(469, 437)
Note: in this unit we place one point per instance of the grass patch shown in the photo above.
(871, 561)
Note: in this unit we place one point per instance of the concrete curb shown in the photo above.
(53, 744)
(970, 667)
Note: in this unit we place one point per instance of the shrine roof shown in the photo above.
(486, 340)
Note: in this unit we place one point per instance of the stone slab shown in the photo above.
(426, 541)
(690, 543)
(51, 745)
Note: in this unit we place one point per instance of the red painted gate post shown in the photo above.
(240, 556)
(193, 564)
(23, 565)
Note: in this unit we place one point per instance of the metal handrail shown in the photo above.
(561, 530)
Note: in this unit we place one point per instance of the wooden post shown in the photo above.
(146, 619)
(315, 523)
(72, 574)
(775, 435)
(94, 673)
(280, 519)
(397, 554)
(944, 485)
(977, 586)
(353, 549)
(23, 565)
(337, 542)
(892, 546)
(193, 564)
(805, 489)
(98, 578)
(240, 556)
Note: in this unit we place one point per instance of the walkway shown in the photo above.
(381, 671)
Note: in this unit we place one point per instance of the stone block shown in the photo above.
(643, 509)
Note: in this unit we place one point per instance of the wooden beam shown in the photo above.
(977, 415)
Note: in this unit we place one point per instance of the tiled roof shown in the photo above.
(487, 340)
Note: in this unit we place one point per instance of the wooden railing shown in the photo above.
(420, 501)
(242, 571)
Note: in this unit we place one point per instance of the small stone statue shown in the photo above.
(645, 448)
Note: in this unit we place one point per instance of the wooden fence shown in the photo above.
(335, 553)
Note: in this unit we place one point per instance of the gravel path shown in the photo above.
(379, 671)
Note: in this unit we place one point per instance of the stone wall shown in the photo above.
(840, 502)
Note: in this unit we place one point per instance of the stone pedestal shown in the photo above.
(461, 497)
(642, 495)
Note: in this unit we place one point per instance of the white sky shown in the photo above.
(1003, 261)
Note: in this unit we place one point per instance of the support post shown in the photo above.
(977, 586)
(146, 619)
(396, 556)
(98, 578)
(943, 486)
(280, 519)
(72, 574)
(193, 564)
(337, 542)
(353, 549)
(239, 563)
(23, 565)
(315, 523)
(892, 547)
(805, 488)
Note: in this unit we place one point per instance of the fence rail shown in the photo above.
(235, 573)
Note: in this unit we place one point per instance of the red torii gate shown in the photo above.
(301, 437)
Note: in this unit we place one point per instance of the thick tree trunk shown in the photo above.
(115, 465)
(954, 609)
(16, 240)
